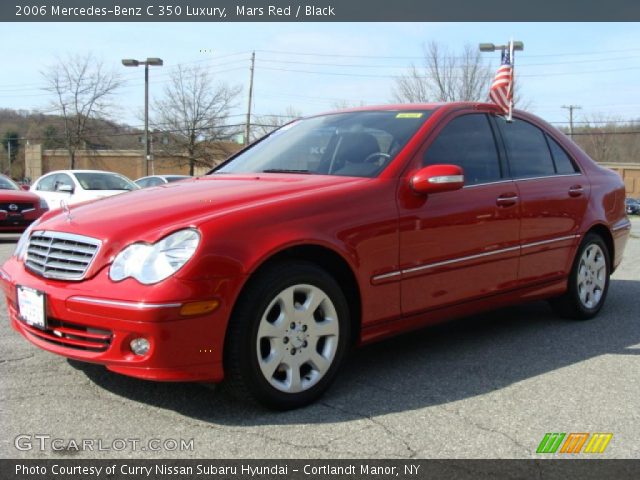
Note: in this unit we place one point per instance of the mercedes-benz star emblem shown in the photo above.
(66, 210)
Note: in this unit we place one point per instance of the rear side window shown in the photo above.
(467, 141)
(564, 164)
(527, 149)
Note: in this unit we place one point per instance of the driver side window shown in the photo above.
(46, 184)
(468, 142)
(62, 179)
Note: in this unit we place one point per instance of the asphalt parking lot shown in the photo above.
(485, 386)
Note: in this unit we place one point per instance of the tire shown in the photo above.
(588, 281)
(287, 336)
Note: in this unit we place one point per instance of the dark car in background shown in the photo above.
(632, 206)
(18, 208)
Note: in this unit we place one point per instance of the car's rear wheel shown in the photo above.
(588, 281)
(287, 337)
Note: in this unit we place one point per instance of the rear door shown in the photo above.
(460, 245)
(554, 195)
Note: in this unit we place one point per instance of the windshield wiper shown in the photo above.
(284, 170)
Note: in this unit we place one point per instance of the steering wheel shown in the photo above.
(375, 155)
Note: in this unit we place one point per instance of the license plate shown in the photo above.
(31, 306)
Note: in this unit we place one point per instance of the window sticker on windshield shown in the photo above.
(409, 115)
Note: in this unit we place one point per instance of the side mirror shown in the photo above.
(437, 178)
(24, 187)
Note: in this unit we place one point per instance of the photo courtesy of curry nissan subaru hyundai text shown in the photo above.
(333, 231)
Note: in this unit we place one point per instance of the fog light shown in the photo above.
(139, 346)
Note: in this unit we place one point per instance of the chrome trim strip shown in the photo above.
(472, 257)
(458, 260)
(546, 242)
(624, 226)
(386, 275)
(28, 210)
(124, 303)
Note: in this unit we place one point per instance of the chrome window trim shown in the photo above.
(489, 183)
(524, 179)
(427, 266)
(125, 303)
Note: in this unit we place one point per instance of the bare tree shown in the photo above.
(82, 87)
(266, 124)
(195, 113)
(598, 137)
(445, 77)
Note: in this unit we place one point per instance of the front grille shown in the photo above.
(62, 256)
(72, 336)
(16, 207)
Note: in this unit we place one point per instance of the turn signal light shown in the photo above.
(199, 308)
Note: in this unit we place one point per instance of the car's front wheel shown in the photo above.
(588, 281)
(287, 337)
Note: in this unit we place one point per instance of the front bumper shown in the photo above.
(20, 221)
(96, 319)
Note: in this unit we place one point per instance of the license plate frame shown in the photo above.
(32, 306)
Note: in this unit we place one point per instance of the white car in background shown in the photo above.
(76, 186)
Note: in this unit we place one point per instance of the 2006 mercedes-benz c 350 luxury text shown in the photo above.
(334, 230)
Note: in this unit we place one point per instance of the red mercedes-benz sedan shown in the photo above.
(337, 229)
(18, 208)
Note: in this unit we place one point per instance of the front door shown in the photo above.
(460, 245)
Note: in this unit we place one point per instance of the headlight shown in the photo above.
(43, 204)
(21, 248)
(152, 263)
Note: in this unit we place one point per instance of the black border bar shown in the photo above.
(288, 469)
(323, 10)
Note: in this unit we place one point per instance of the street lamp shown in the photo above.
(157, 62)
(490, 47)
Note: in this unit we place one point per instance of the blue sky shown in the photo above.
(595, 65)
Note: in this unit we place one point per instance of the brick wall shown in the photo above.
(126, 162)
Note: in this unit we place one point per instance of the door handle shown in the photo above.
(576, 191)
(507, 200)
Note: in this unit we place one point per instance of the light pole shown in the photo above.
(129, 62)
(571, 108)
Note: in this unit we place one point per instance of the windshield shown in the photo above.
(358, 144)
(104, 181)
(6, 184)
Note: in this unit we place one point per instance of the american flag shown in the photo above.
(501, 92)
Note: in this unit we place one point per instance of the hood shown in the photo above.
(18, 196)
(150, 213)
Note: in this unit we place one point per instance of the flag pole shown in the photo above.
(511, 47)
(513, 80)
